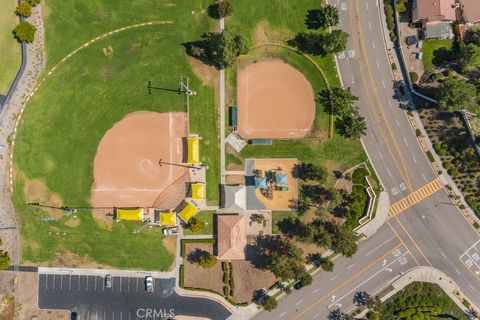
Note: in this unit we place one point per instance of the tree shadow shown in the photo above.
(197, 49)
(308, 43)
(257, 251)
(196, 254)
(442, 57)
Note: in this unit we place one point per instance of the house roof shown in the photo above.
(434, 10)
(231, 236)
(438, 30)
(470, 10)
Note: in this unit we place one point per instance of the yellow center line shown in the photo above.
(414, 243)
(401, 240)
(404, 172)
(346, 282)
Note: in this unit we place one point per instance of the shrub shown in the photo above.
(359, 175)
(413, 76)
(418, 133)
(220, 9)
(326, 264)
(224, 266)
(195, 225)
(24, 9)
(270, 303)
(4, 260)
(25, 32)
(476, 225)
(394, 66)
(430, 156)
(225, 278)
(33, 3)
(226, 291)
(231, 292)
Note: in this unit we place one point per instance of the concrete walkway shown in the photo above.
(381, 216)
(222, 115)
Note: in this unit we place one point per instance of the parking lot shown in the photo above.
(126, 299)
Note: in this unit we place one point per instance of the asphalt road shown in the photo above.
(125, 300)
(431, 233)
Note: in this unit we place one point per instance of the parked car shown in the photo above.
(73, 316)
(170, 231)
(108, 281)
(149, 283)
(299, 285)
(412, 40)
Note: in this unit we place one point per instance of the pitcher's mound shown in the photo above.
(275, 101)
(126, 169)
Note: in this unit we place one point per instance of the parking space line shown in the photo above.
(95, 286)
(113, 315)
(120, 284)
(128, 284)
(46, 282)
(136, 288)
(104, 315)
(78, 283)
(87, 283)
(121, 315)
(129, 316)
(61, 282)
(70, 282)
(53, 281)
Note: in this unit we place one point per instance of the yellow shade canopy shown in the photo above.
(168, 219)
(193, 150)
(198, 191)
(188, 212)
(130, 214)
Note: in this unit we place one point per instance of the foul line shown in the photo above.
(58, 64)
(346, 282)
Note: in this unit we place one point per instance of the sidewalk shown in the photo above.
(381, 216)
(426, 274)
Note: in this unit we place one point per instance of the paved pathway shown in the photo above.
(222, 116)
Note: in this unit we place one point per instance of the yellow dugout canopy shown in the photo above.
(168, 219)
(198, 191)
(193, 150)
(188, 212)
(130, 214)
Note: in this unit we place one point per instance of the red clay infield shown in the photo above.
(275, 101)
(126, 167)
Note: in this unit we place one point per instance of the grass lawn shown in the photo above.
(207, 217)
(278, 217)
(10, 53)
(429, 48)
(86, 96)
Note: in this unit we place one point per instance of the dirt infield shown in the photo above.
(126, 167)
(275, 101)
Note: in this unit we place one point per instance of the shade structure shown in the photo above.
(261, 183)
(193, 150)
(188, 212)
(198, 191)
(130, 214)
(168, 219)
(281, 178)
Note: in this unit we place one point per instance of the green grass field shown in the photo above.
(279, 216)
(429, 48)
(207, 217)
(10, 53)
(66, 119)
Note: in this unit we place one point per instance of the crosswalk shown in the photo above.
(414, 197)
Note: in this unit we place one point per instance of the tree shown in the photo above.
(309, 171)
(222, 48)
(286, 261)
(34, 3)
(344, 241)
(220, 9)
(195, 225)
(24, 9)
(305, 278)
(203, 258)
(270, 303)
(351, 126)
(322, 18)
(338, 100)
(361, 298)
(469, 57)
(25, 32)
(335, 41)
(326, 264)
(4, 260)
(456, 94)
(337, 314)
(473, 36)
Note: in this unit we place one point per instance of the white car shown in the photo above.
(170, 231)
(149, 283)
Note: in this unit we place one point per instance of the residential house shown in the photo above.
(435, 16)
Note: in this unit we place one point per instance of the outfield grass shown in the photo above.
(66, 119)
(207, 217)
(10, 53)
(429, 48)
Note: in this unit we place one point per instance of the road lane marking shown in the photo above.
(128, 284)
(316, 315)
(87, 283)
(378, 106)
(283, 313)
(424, 177)
(457, 271)
(398, 124)
(70, 282)
(329, 294)
(298, 302)
(383, 84)
(380, 155)
(379, 246)
(390, 103)
(413, 241)
(378, 65)
(333, 278)
(350, 266)
(443, 254)
(366, 3)
(79, 283)
(316, 290)
(402, 242)
(386, 268)
(405, 140)
(373, 44)
(414, 160)
(61, 282)
(414, 198)
(353, 80)
(95, 286)
(46, 282)
(472, 287)
(370, 27)
(54, 281)
(389, 173)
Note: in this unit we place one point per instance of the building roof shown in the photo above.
(235, 198)
(260, 183)
(470, 10)
(130, 214)
(281, 178)
(193, 150)
(168, 219)
(231, 237)
(188, 212)
(434, 10)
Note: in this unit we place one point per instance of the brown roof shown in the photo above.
(470, 10)
(434, 10)
(231, 237)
